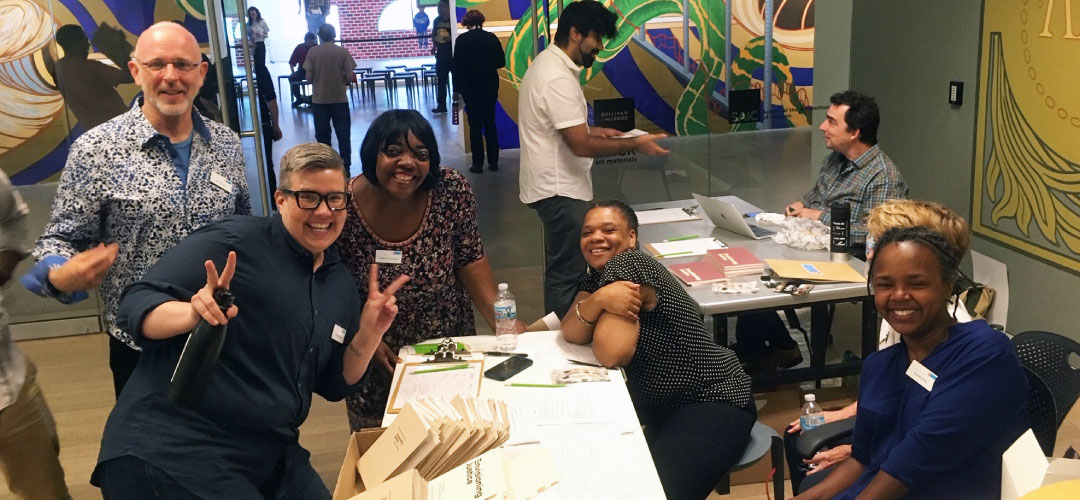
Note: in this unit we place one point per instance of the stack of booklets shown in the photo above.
(491, 476)
(697, 273)
(735, 261)
(718, 265)
(434, 436)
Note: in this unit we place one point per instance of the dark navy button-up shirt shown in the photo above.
(278, 350)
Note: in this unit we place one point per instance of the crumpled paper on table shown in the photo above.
(797, 232)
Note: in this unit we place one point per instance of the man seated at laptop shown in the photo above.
(857, 172)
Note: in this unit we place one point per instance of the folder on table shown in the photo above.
(812, 270)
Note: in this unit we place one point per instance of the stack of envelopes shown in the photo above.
(434, 436)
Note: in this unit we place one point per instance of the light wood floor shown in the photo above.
(74, 374)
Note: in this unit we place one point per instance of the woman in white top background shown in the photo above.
(257, 32)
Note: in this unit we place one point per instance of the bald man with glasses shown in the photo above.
(135, 185)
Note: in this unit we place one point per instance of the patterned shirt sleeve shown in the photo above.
(881, 188)
(468, 247)
(243, 196)
(76, 213)
(815, 197)
(632, 266)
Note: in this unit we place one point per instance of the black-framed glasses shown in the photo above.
(310, 200)
(158, 65)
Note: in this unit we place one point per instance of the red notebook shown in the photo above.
(697, 273)
(735, 261)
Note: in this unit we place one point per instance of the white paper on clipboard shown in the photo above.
(443, 384)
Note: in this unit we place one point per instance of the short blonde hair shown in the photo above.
(912, 213)
(311, 155)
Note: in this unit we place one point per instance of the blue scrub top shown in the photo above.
(947, 442)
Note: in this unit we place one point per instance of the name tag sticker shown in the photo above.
(338, 334)
(221, 182)
(388, 256)
(921, 375)
(810, 268)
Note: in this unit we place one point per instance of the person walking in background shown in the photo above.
(258, 30)
(299, 74)
(477, 59)
(29, 446)
(444, 54)
(421, 21)
(330, 69)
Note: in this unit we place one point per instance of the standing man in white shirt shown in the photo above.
(558, 145)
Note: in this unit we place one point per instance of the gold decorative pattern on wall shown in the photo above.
(1026, 191)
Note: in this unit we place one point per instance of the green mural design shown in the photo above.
(752, 58)
(693, 106)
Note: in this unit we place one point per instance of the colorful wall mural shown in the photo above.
(676, 76)
(39, 124)
(1026, 193)
(677, 79)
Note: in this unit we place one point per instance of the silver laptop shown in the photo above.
(724, 215)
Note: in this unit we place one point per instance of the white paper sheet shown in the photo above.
(686, 248)
(994, 274)
(662, 215)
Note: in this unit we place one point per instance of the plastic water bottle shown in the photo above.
(199, 357)
(505, 319)
(811, 415)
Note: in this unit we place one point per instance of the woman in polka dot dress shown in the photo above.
(692, 395)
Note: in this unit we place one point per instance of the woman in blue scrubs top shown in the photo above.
(937, 410)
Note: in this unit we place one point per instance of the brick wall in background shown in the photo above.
(360, 20)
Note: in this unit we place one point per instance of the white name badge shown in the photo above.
(338, 334)
(221, 182)
(922, 375)
(388, 256)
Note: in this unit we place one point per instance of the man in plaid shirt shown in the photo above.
(856, 171)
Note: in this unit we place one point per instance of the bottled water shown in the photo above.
(811, 415)
(505, 319)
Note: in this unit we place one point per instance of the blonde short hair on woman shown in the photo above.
(308, 156)
(928, 214)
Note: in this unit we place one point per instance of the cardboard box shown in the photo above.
(1024, 468)
(349, 483)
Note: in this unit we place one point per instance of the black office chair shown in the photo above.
(1053, 388)
(1053, 383)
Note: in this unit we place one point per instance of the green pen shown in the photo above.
(672, 254)
(681, 238)
(441, 369)
(519, 384)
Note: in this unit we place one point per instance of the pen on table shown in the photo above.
(500, 353)
(681, 238)
(441, 369)
(576, 362)
(672, 254)
(520, 384)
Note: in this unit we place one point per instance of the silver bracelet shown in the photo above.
(577, 310)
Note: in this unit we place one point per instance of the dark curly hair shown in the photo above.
(947, 254)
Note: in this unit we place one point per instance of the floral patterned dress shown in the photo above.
(434, 302)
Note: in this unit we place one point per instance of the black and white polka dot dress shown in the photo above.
(676, 362)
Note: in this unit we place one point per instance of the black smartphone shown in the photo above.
(512, 366)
